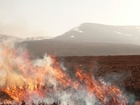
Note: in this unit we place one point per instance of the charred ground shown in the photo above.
(123, 71)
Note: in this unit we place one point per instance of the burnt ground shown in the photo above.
(123, 71)
(4, 96)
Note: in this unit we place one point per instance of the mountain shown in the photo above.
(6, 37)
(62, 48)
(91, 32)
(88, 39)
(37, 38)
(17, 39)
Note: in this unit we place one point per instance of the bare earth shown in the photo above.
(123, 71)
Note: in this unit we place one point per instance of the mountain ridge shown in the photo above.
(91, 32)
(88, 39)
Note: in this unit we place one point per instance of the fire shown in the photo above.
(102, 91)
(23, 77)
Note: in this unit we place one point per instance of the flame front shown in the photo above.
(106, 94)
(21, 78)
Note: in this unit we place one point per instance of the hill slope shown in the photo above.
(62, 48)
(88, 39)
(91, 32)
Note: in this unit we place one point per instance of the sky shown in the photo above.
(31, 18)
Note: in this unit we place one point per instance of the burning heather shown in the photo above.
(46, 80)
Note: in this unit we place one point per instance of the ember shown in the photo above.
(45, 80)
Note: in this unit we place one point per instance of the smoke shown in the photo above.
(9, 75)
(46, 80)
(2, 77)
(21, 28)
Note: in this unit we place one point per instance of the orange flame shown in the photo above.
(102, 91)
(23, 78)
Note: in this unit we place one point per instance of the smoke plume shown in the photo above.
(46, 80)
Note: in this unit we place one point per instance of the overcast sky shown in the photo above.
(25, 18)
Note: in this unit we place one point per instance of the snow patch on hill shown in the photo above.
(77, 29)
(38, 38)
(122, 33)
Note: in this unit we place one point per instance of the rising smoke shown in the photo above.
(46, 80)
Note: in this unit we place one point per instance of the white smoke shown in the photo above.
(11, 75)
(2, 77)
(8, 71)
(14, 67)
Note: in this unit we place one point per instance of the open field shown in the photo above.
(123, 71)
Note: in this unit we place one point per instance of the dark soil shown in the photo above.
(123, 71)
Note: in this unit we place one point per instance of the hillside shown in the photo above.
(63, 48)
(91, 32)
